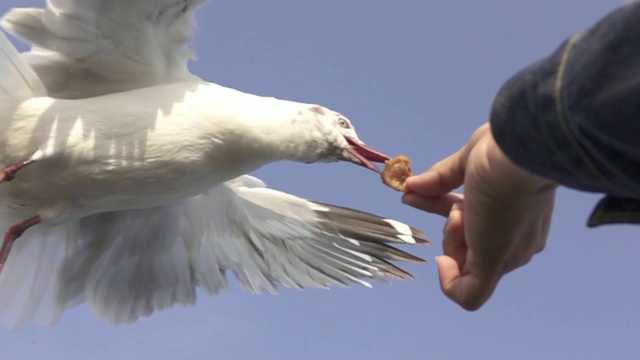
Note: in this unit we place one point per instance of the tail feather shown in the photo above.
(28, 281)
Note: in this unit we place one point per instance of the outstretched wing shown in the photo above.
(132, 263)
(85, 48)
(267, 237)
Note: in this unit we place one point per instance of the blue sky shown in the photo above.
(416, 78)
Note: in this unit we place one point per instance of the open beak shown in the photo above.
(365, 154)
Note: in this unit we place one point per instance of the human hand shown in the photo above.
(498, 225)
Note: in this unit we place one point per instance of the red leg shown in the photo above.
(8, 173)
(14, 232)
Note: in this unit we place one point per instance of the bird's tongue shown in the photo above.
(366, 155)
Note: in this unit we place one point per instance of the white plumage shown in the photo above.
(137, 185)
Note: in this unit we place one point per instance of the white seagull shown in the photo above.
(123, 175)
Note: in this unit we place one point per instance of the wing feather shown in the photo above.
(131, 263)
(296, 236)
(18, 78)
(84, 48)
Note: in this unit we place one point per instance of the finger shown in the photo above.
(450, 264)
(458, 280)
(468, 291)
(454, 244)
(440, 205)
(441, 179)
(448, 274)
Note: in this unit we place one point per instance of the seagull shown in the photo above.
(124, 177)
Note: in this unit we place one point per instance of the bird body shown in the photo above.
(174, 141)
(123, 177)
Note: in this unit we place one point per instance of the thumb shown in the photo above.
(441, 178)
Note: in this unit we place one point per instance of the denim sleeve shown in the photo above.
(574, 117)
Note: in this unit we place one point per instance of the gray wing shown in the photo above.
(83, 48)
(132, 263)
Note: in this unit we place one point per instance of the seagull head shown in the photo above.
(355, 150)
(340, 141)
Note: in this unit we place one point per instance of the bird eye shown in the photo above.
(344, 123)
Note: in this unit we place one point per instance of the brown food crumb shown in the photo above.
(396, 171)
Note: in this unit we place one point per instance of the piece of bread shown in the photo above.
(396, 171)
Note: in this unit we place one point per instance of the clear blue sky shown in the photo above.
(416, 77)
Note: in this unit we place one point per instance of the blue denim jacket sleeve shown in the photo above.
(574, 117)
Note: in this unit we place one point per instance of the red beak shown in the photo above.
(365, 154)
